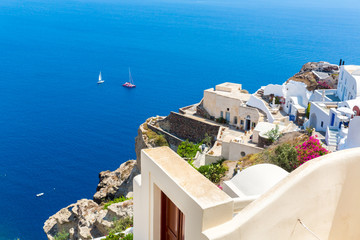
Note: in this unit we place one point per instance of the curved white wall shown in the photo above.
(275, 89)
(323, 194)
(258, 103)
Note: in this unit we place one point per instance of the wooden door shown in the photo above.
(172, 220)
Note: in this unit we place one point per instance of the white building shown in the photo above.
(228, 101)
(333, 109)
(351, 136)
(294, 94)
(349, 82)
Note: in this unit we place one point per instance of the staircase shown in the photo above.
(331, 136)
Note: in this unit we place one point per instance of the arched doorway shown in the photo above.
(313, 120)
(247, 123)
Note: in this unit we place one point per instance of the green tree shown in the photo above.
(214, 172)
(285, 156)
(207, 140)
(307, 112)
(188, 149)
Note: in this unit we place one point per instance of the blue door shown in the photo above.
(290, 109)
(332, 119)
(228, 116)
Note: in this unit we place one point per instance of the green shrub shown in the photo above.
(277, 100)
(62, 235)
(285, 156)
(214, 172)
(273, 134)
(121, 225)
(188, 149)
(128, 237)
(221, 120)
(113, 236)
(116, 200)
(161, 141)
(207, 140)
(309, 131)
(307, 112)
(158, 139)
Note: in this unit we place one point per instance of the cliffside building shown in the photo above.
(228, 101)
(333, 109)
(349, 82)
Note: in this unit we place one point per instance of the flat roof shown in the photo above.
(351, 68)
(321, 75)
(230, 85)
(204, 192)
(234, 94)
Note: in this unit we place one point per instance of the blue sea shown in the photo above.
(59, 129)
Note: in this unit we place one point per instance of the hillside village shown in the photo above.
(242, 120)
(316, 110)
(234, 161)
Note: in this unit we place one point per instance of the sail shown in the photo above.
(100, 76)
(130, 78)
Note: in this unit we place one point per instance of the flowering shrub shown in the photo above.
(310, 149)
(323, 85)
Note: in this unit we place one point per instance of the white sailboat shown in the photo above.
(100, 79)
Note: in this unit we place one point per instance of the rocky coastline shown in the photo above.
(87, 219)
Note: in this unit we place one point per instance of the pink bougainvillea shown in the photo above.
(310, 149)
(323, 85)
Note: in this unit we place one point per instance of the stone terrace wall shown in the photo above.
(173, 141)
(188, 128)
(201, 111)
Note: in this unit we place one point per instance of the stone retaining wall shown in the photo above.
(173, 141)
(187, 128)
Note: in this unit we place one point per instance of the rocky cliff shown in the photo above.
(117, 183)
(141, 142)
(317, 75)
(87, 219)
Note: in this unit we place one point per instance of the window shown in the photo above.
(322, 124)
(241, 122)
(228, 109)
(221, 114)
(253, 125)
(243, 154)
(235, 120)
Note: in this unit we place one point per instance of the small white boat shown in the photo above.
(100, 79)
(39, 194)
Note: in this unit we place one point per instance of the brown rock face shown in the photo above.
(140, 143)
(117, 183)
(306, 75)
(319, 66)
(86, 220)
